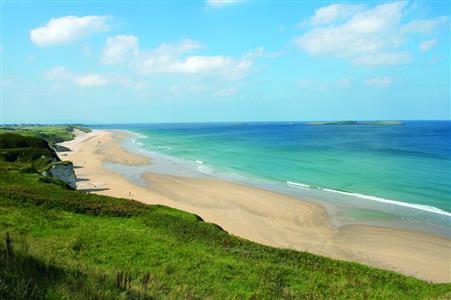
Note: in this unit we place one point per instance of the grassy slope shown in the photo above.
(52, 134)
(80, 246)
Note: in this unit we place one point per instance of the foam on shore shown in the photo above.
(426, 208)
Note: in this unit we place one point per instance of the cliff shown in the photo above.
(36, 154)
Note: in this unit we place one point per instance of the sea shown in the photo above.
(388, 175)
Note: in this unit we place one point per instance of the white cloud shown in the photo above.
(171, 59)
(221, 3)
(175, 58)
(426, 45)
(383, 59)
(199, 64)
(365, 36)
(90, 80)
(379, 82)
(364, 33)
(424, 26)
(118, 48)
(334, 12)
(178, 48)
(64, 76)
(67, 29)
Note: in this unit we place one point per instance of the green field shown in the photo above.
(62, 244)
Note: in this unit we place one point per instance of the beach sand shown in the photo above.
(259, 215)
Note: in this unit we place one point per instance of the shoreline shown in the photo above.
(343, 208)
(259, 215)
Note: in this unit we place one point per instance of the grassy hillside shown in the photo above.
(57, 243)
(51, 133)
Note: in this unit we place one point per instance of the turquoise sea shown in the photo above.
(385, 174)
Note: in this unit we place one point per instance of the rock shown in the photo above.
(60, 148)
(64, 171)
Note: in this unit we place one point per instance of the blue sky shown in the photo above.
(224, 61)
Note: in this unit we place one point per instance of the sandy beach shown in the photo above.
(256, 214)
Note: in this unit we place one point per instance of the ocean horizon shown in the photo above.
(377, 174)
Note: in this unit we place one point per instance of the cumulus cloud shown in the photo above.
(424, 26)
(364, 33)
(201, 64)
(426, 45)
(195, 65)
(117, 48)
(170, 58)
(366, 36)
(90, 80)
(379, 82)
(67, 29)
(334, 12)
(221, 3)
(174, 58)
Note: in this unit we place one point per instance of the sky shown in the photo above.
(215, 61)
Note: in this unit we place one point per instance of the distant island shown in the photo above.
(356, 123)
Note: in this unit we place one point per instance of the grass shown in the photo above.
(51, 133)
(36, 151)
(57, 243)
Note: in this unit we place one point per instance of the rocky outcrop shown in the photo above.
(38, 153)
(64, 171)
(60, 148)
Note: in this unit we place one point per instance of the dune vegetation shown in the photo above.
(56, 243)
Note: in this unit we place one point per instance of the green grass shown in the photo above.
(71, 245)
(33, 150)
(51, 133)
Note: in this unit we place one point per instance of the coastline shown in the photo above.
(259, 215)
